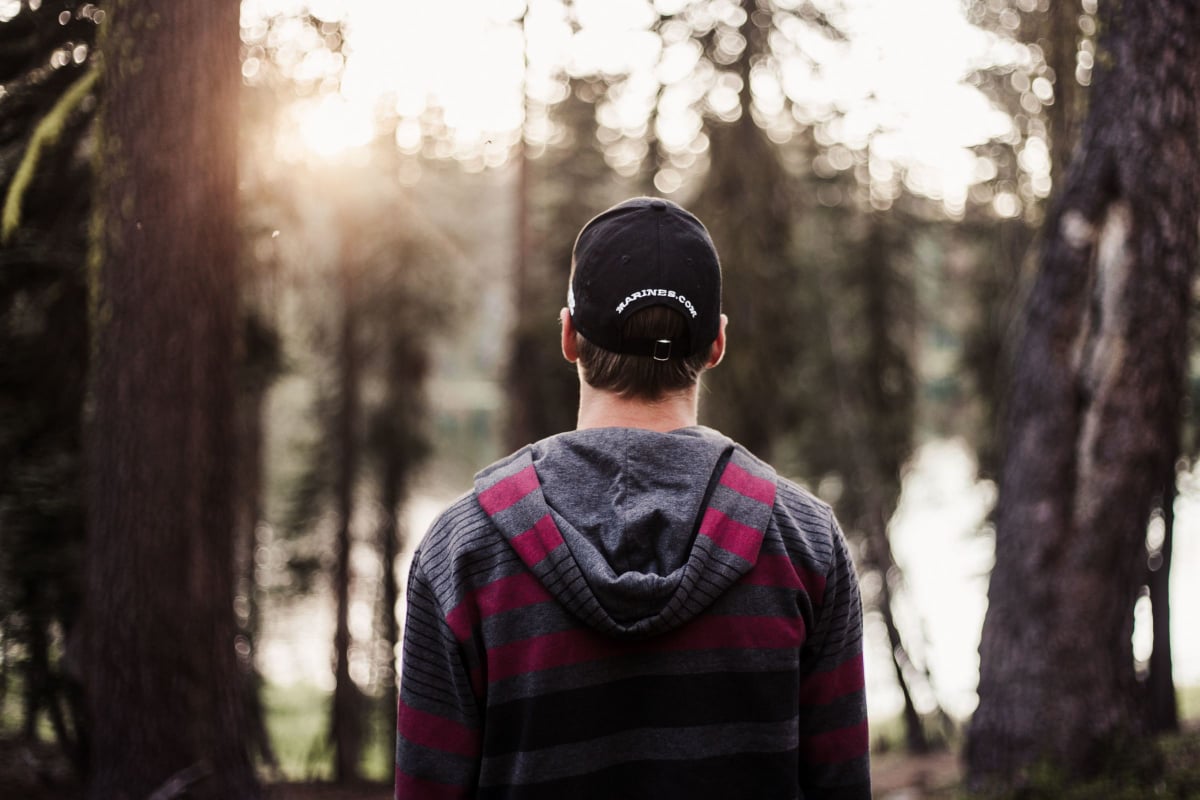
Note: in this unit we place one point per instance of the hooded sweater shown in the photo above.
(621, 613)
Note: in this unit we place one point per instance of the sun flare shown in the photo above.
(328, 127)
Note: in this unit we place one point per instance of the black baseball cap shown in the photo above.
(643, 252)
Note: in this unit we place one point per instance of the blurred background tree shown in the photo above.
(48, 103)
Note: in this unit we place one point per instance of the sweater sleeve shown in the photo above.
(834, 744)
(438, 720)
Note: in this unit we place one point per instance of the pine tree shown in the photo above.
(163, 679)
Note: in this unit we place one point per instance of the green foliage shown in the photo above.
(45, 135)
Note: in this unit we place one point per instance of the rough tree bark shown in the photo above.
(162, 676)
(1093, 419)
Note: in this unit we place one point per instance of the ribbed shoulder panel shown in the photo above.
(463, 550)
(805, 525)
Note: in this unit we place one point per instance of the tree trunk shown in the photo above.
(1062, 23)
(249, 513)
(389, 544)
(884, 565)
(754, 237)
(523, 409)
(162, 675)
(346, 719)
(876, 393)
(1162, 711)
(1094, 413)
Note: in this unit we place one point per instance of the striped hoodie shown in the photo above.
(618, 613)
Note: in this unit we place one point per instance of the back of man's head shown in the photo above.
(644, 298)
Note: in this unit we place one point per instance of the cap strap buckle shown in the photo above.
(662, 350)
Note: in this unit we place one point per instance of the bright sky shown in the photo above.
(898, 81)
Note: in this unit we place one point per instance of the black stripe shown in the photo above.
(657, 701)
(770, 776)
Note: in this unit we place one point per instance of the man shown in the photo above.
(639, 608)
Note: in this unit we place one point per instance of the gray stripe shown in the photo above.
(491, 475)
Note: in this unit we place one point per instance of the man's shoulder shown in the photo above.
(805, 524)
(793, 499)
(464, 525)
(457, 529)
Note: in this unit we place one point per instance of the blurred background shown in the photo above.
(410, 179)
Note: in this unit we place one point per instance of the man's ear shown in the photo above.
(718, 346)
(569, 350)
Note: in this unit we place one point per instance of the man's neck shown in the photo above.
(601, 409)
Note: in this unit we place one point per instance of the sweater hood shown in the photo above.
(633, 531)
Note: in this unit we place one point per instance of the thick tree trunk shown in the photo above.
(346, 719)
(162, 674)
(1094, 412)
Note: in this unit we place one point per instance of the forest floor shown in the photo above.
(37, 772)
(894, 776)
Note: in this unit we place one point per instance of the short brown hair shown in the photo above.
(642, 377)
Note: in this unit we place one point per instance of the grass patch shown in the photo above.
(1189, 702)
(298, 723)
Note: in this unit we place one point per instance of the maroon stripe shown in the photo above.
(749, 485)
(411, 788)
(843, 744)
(538, 542)
(463, 618)
(505, 594)
(825, 687)
(578, 646)
(773, 570)
(509, 491)
(436, 733)
(729, 534)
